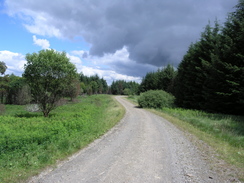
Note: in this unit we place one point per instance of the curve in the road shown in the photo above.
(143, 147)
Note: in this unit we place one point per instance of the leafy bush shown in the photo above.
(156, 99)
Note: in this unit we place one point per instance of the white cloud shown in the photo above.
(14, 61)
(111, 66)
(118, 62)
(121, 55)
(80, 53)
(74, 59)
(108, 75)
(41, 42)
(40, 26)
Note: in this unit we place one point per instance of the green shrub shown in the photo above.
(156, 99)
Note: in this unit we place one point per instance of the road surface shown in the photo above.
(142, 148)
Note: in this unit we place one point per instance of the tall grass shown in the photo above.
(30, 142)
(228, 128)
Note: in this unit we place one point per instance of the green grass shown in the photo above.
(228, 128)
(133, 99)
(224, 133)
(30, 142)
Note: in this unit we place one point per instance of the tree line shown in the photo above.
(93, 84)
(122, 87)
(210, 76)
(162, 79)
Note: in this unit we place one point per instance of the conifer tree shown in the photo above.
(193, 72)
(211, 74)
(229, 65)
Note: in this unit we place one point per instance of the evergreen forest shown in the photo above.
(210, 76)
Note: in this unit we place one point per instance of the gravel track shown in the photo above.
(143, 148)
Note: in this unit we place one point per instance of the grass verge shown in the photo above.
(223, 133)
(30, 142)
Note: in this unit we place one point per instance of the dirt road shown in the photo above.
(143, 148)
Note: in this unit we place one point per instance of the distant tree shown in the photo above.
(160, 80)
(89, 90)
(93, 84)
(121, 87)
(73, 89)
(83, 78)
(127, 91)
(82, 88)
(48, 74)
(104, 86)
(133, 87)
(3, 81)
(165, 78)
(18, 91)
(23, 95)
(94, 87)
(4, 85)
(149, 82)
(3, 67)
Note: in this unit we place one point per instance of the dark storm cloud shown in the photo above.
(155, 32)
(134, 69)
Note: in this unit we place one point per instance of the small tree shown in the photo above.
(48, 74)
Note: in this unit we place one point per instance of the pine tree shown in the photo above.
(192, 81)
(165, 78)
(211, 74)
(229, 66)
(186, 88)
(149, 82)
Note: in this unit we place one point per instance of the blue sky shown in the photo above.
(112, 38)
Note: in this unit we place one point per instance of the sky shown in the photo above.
(115, 39)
